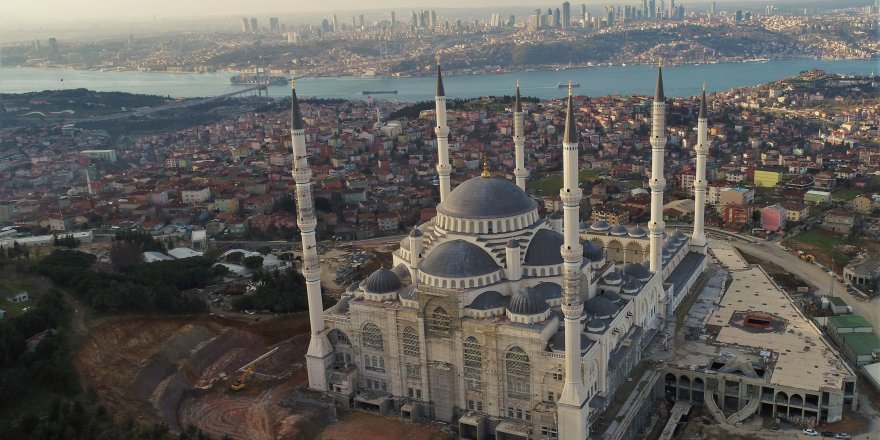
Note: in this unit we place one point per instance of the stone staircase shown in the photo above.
(713, 407)
(746, 411)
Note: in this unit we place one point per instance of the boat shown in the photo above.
(379, 92)
(249, 78)
(565, 85)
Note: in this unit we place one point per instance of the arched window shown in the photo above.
(410, 342)
(372, 336)
(439, 321)
(519, 373)
(473, 364)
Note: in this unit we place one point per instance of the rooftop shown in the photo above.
(862, 344)
(848, 321)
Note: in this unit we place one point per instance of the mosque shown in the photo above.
(494, 319)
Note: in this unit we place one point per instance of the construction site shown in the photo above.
(228, 377)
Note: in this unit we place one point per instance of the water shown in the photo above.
(678, 81)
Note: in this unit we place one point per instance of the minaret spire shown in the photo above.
(658, 183)
(519, 142)
(442, 131)
(572, 405)
(318, 356)
(698, 240)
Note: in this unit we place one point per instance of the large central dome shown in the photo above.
(486, 197)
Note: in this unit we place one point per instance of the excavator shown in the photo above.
(242, 382)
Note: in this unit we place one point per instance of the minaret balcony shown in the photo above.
(570, 197)
(311, 271)
(572, 253)
(302, 175)
(442, 131)
(444, 169)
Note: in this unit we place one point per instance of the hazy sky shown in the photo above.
(35, 12)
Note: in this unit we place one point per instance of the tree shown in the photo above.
(265, 250)
(253, 262)
(234, 257)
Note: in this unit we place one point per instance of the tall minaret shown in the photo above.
(318, 354)
(658, 182)
(572, 406)
(519, 142)
(443, 167)
(698, 240)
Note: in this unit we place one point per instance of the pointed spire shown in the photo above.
(703, 103)
(570, 136)
(517, 107)
(296, 119)
(440, 91)
(658, 94)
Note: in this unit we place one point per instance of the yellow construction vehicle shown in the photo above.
(809, 258)
(242, 381)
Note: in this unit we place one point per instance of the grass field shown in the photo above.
(551, 183)
(845, 194)
(822, 243)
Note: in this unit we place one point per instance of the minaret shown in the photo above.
(89, 182)
(572, 406)
(519, 142)
(698, 240)
(319, 351)
(443, 167)
(658, 182)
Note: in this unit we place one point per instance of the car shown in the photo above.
(827, 434)
(842, 435)
(810, 432)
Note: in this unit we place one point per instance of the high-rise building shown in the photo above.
(712, 9)
(361, 21)
(273, 24)
(739, 15)
(557, 18)
(254, 25)
(393, 19)
(245, 25)
(566, 15)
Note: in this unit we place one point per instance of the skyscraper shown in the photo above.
(245, 25)
(566, 15)
(557, 18)
(393, 19)
(273, 24)
(254, 25)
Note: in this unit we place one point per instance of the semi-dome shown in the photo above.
(544, 249)
(416, 232)
(458, 259)
(549, 290)
(592, 252)
(618, 230)
(482, 197)
(382, 281)
(600, 225)
(488, 300)
(600, 306)
(637, 270)
(527, 301)
(409, 293)
(638, 232)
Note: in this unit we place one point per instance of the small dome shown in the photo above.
(600, 225)
(544, 249)
(382, 281)
(638, 232)
(637, 270)
(458, 259)
(416, 232)
(584, 225)
(592, 252)
(482, 197)
(595, 325)
(513, 243)
(630, 285)
(353, 286)
(528, 301)
(667, 252)
(600, 306)
(612, 278)
(678, 236)
(618, 230)
(612, 296)
(341, 306)
(557, 341)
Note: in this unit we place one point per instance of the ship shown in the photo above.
(565, 85)
(379, 92)
(249, 78)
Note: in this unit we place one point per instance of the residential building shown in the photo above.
(839, 221)
(817, 197)
(773, 218)
(195, 195)
(795, 211)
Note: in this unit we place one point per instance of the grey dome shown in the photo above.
(409, 292)
(416, 232)
(555, 215)
(679, 236)
(584, 225)
(458, 259)
(593, 252)
(341, 306)
(483, 197)
(630, 285)
(612, 296)
(488, 300)
(600, 306)
(595, 325)
(600, 225)
(549, 290)
(544, 249)
(618, 230)
(528, 301)
(353, 286)
(382, 281)
(638, 232)
(637, 270)
(612, 278)
(557, 341)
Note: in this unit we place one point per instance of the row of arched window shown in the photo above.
(486, 226)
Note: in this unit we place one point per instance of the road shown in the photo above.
(817, 277)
